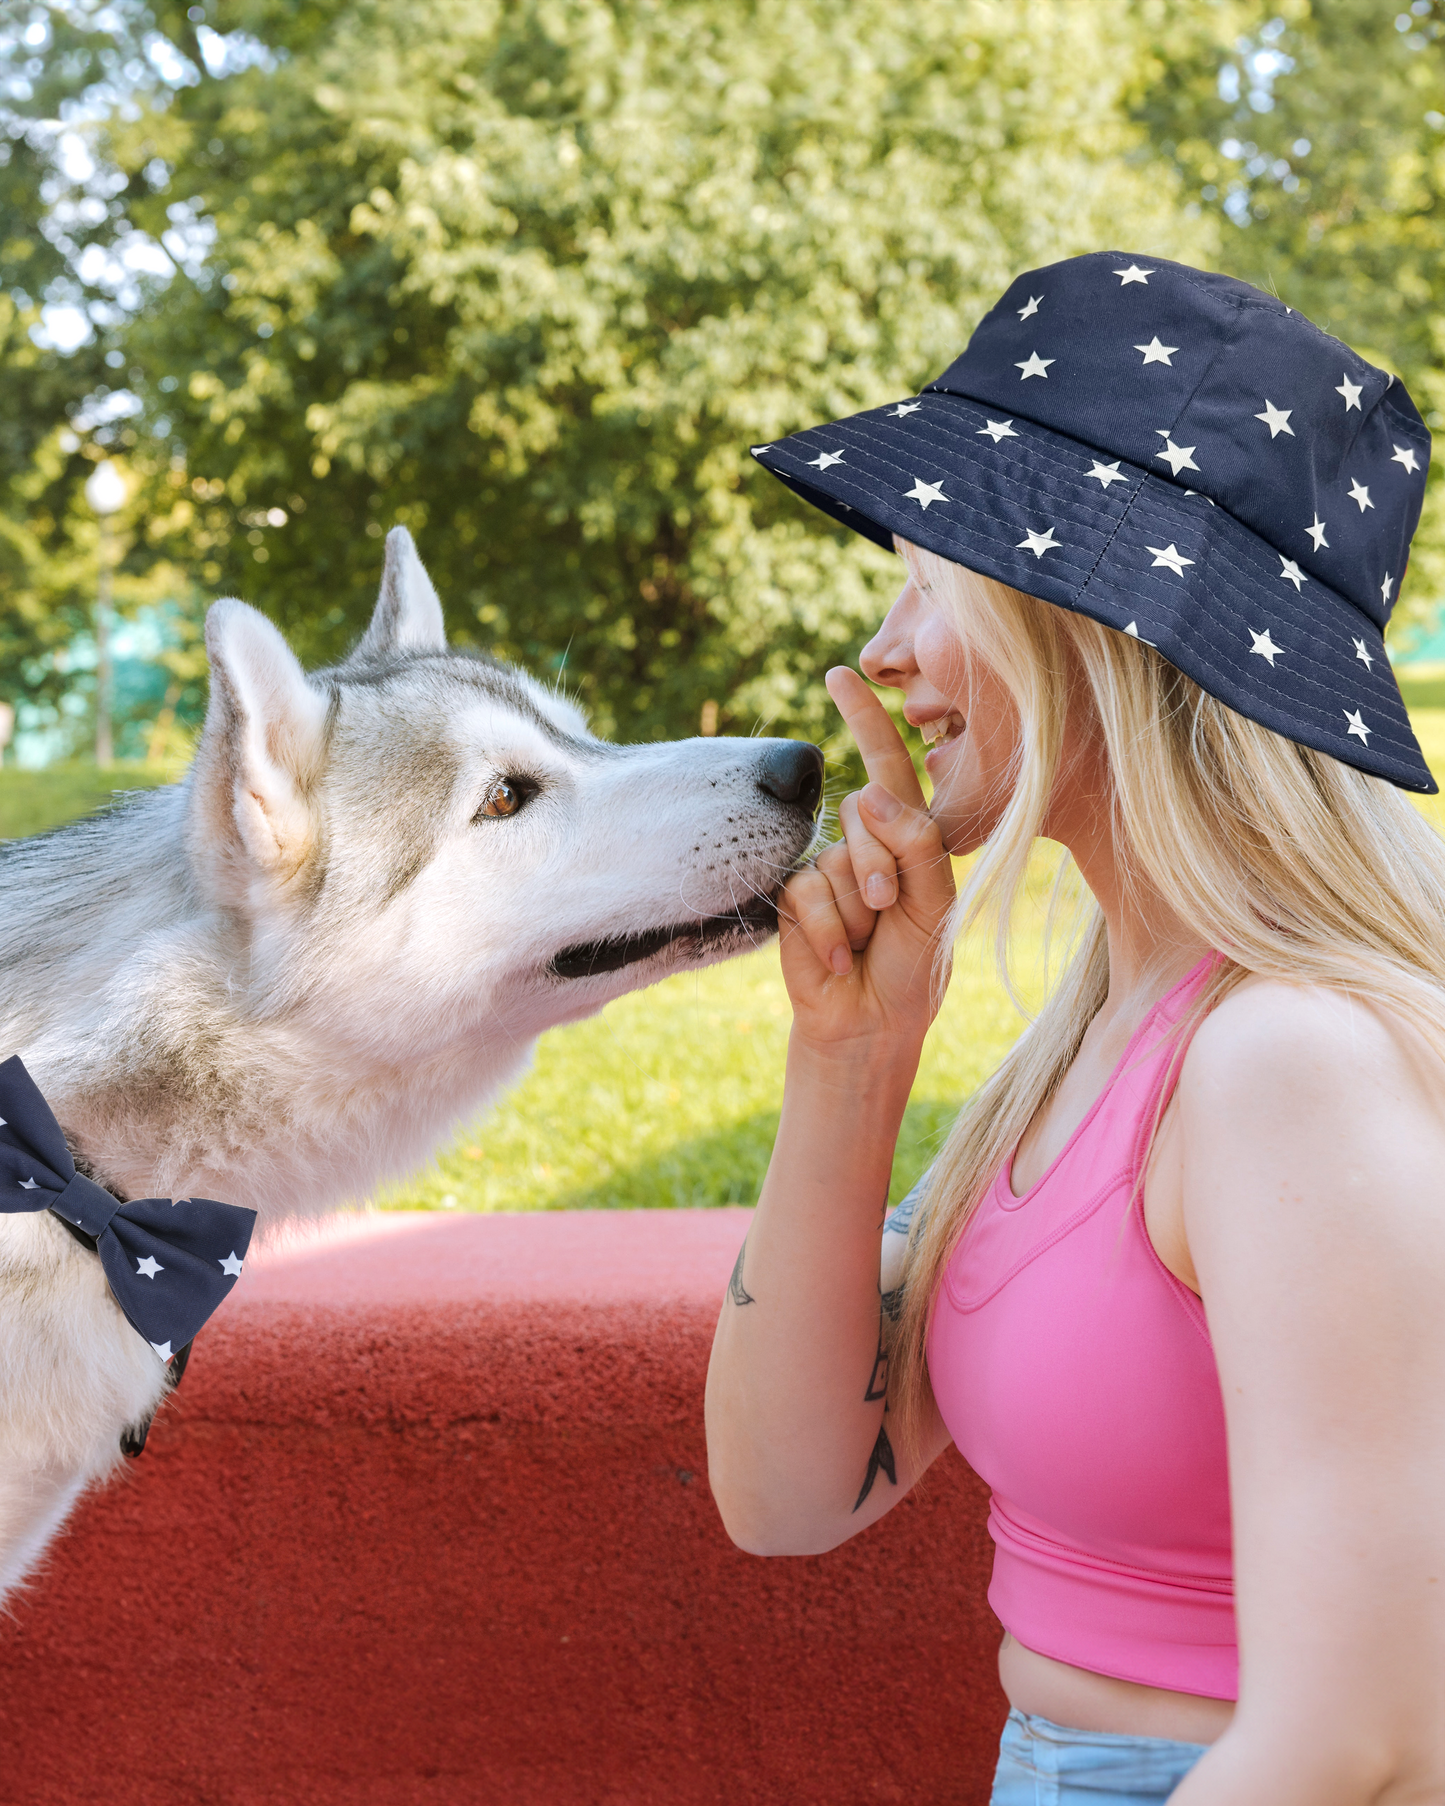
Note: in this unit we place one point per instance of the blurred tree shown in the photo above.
(1315, 132)
(530, 276)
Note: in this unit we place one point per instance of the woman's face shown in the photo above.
(961, 705)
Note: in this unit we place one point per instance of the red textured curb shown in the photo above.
(429, 1522)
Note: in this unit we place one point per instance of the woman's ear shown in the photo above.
(250, 811)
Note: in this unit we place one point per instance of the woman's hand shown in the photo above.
(860, 927)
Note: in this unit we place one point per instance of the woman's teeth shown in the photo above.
(940, 731)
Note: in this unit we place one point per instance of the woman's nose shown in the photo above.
(888, 658)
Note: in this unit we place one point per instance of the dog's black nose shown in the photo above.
(793, 773)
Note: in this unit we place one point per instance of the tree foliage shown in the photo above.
(530, 277)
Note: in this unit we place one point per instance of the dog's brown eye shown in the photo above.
(505, 799)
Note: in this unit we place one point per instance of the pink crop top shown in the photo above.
(1077, 1378)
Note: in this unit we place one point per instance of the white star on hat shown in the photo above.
(1105, 474)
(1171, 556)
(1316, 531)
(1034, 365)
(1133, 274)
(1177, 457)
(1276, 419)
(1386, 587)
(1155, 353)
(1032, 308)
(1039, 543)
(924, 493)
(1357, 726)
(1134, 634)
(998, 429)
(1405, 455)
(1291, 573)
(1265, 646)
(1350, 391)
(906, 407)
(755, 449)
(1359, 493)
(824, 459)
(231, 1264)
(1362, 652)
(149, 1267)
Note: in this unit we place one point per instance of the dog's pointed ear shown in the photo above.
(408, 616)
(259, 754)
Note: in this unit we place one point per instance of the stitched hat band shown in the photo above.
(1177, 456)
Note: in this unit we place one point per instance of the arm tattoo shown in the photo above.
(900, 1219)
(737, 1291)
(882, 1456)
(890, 1307)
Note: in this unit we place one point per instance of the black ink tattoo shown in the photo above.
(882, 1456)
(737, 1291)
(893, 1303)
(878, 1381)
(899, 1220)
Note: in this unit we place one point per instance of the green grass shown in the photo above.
(32, 801)
(669, 1098)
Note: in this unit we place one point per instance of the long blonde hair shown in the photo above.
(1289, 863)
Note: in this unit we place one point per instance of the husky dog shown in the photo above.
(298, 972)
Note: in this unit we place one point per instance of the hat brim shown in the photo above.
(1131, 549)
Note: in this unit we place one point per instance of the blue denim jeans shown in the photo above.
(1045, 1764)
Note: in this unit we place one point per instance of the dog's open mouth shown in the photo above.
(591, 958)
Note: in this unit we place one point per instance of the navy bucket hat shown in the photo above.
(1177, 456)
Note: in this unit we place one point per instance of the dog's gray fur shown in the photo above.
(298, 972)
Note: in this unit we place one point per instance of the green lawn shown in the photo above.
(669, 1098)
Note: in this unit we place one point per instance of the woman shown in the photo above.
(1173, 1287)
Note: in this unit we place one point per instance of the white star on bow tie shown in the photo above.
(1032, 308)
(1177, 457)
(1357, 726)
(1265, 646)
(824, 459)
(1133, 274)
(1316, 531)
(149, 1267)
(924, 493)
(164, 1349)
(1362, 652)
(1405, 455)
(1034, 365)
(1359, 493)
(1155, 353)
(998, 429)
(1291, 573)
(1104, 474)
(1386, 587)
(28, 1185)
(1351, 392)
(1039, 543)
(231, 1265)
(906, 407)
(1171, 556)
(1276, 419)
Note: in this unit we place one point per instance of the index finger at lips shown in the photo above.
(884, 755)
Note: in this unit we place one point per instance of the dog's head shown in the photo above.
(424, 832)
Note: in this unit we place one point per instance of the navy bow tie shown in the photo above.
(169, 1262)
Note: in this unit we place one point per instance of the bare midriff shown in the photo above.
(1071, 1696)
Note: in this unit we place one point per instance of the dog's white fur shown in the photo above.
(298, 972)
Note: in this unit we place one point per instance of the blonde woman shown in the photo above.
(1176, 1285)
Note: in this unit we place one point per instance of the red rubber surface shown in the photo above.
(428, 1522)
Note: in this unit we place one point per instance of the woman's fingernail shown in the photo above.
(881, 803)
(841, 960)
(879, 891)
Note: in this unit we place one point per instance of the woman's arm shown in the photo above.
(1313, 1136)
(799, 1454)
